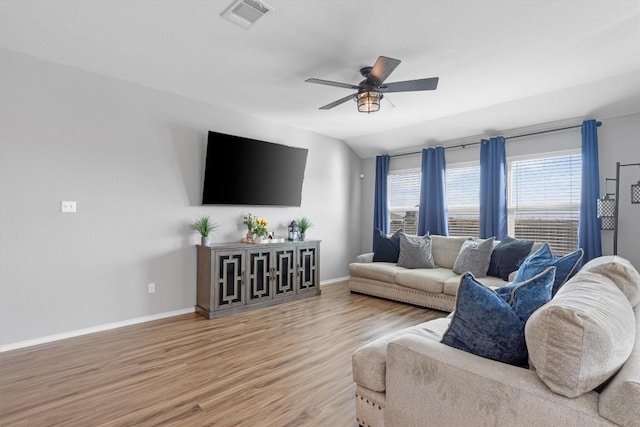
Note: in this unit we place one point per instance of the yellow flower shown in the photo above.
(256, 225)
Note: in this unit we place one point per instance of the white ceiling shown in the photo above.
(502, 64)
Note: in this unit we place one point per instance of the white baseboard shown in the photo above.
(100, 328)
(51, 338)
(331, 281)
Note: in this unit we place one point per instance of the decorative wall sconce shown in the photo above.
(608, 207)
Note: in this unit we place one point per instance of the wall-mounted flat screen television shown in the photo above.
(245, 171)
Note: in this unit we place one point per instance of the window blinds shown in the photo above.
(463, 200)
(544, 200)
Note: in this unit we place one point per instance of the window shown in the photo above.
(544, 200)
(404, 199)
(463, 199)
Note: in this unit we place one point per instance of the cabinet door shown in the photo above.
(228, 279)
(307, 268)
(284, 272)
(259, 274)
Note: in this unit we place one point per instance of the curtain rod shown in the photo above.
(506, 137)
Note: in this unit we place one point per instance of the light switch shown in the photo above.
(68, 206)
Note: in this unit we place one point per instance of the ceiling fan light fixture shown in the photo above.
(370, 90)
(368, 101)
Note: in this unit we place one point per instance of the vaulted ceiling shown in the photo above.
(502, 64)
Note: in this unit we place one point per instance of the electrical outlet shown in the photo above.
(68, 206)
(151, 288)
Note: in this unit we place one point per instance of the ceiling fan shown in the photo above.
(370, 90)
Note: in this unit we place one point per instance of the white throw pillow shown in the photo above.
(580, 338)
(621, 272)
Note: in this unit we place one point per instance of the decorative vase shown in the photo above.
(205, 241)
(302, 237)
(260, 239)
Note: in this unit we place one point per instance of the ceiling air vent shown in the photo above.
(246, 12)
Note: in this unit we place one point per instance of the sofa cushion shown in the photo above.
(445, 249)
(619, 401)
(486, 325)
(386, 249)
(366, 257)
(536, 246)
(382, 271)
(474, 257)
(582, 336)
(415, 252)
(451, 284)
(431, 280)
(369, 362)
(507, 256)
(566, 266)
(621, 272)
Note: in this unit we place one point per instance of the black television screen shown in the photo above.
(245, 171)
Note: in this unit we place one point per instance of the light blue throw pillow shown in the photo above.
(566, 266)
(491, 325)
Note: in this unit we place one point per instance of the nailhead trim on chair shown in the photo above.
(376, 288)
(367, 400)
(360, 422)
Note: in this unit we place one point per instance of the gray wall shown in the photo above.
(133, 160)
(618, 140)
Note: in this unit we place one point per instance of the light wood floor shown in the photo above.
(285, 365)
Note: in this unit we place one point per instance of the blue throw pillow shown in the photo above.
(489, 325)
(566, 266)
(528, 296)
(507, 257)
(386, 249)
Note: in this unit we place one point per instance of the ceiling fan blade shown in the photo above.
(338, 102)
(410, 85)
(330, 83)
(381, 69)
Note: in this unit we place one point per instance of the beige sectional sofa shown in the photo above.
(584, 357)
(433, 288)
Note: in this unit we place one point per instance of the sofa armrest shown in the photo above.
(428, 382)
(368, 257)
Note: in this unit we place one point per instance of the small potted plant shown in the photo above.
(204, 225)
(304, 224)
(260, 231)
